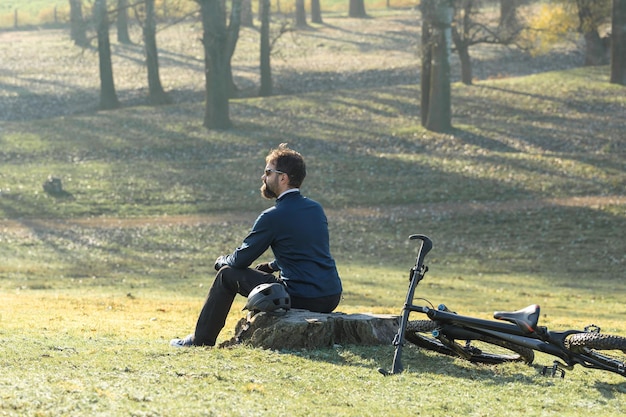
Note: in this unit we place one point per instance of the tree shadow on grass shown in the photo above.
(609, 391)
(427, 366)
(418, 363)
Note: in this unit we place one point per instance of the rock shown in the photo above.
(303, 329)
(53, 186)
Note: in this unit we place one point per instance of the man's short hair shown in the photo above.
(290, 162)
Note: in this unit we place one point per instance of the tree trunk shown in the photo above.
(266, 69)
(316, 12)
(618, 43)
(357, 9)
(122, 22)
(439, 109)
(596, 51)
(462, 40)
(219, 44)
(427, 57)
(78, 27)
(508, 15)
(464, 57)
(108, 96)
(233, 33)
(300, 14)
(246, 14)
(155, 89)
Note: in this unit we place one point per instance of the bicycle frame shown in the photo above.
(455, 326)
(461, 327)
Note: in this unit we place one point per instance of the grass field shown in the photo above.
(524, 201)
(42, 12)
(33, 13)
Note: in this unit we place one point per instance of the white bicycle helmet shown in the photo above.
(268, 298)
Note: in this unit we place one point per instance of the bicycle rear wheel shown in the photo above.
(485, 349)
(613, 350)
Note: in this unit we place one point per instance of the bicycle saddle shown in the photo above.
(526, 318)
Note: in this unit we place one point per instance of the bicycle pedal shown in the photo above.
(554, 369)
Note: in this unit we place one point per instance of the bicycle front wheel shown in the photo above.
(486, 349)
(608, 350)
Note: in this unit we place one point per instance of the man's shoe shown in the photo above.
(186, 342)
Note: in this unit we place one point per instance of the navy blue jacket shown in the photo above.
(296, 229)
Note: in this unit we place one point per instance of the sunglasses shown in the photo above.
(268, 171)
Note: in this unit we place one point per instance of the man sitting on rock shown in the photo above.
(296, 229)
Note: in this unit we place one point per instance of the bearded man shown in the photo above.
(296, 229)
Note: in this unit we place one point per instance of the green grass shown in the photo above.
(41, 12)
(128, 163)
(100, 303)
(94, 371)
(32, 12)
(524, 202)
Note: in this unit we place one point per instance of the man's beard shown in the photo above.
(267, 193)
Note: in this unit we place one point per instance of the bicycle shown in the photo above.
(515, 337)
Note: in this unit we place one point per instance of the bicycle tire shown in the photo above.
(589, 343)
(597, 341)
(418, 331)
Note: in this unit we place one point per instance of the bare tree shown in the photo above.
(78, 26)
(108, 96)
(316, 11)
(618, 42)
(462, 37)
(300, 14)
(219, 41)
(508, 14)
(155, 89)
(471, 28)
(122, 22)
(591, 15)
(427, 59)
(356, 8)
(266, 68)
(246, 14)
(437, 15)
(268, 42)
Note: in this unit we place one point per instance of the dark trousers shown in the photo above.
(231, 281)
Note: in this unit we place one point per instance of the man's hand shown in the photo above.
(264, 267)
(220, 262)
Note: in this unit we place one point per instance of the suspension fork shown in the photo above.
(418, 272)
